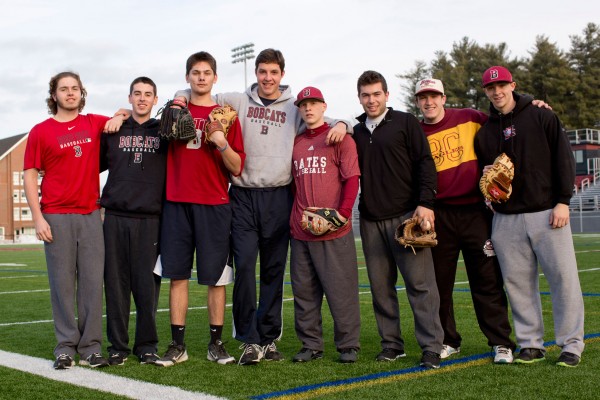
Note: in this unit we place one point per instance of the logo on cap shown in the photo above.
(494, 74)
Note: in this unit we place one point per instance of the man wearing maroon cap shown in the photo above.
(324, 176)
(463, 222)
(532, 225)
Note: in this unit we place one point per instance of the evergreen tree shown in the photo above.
(585, 61)
(410, 80)
(549, 77)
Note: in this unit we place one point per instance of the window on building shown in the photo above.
(16, 178)
(25, 214)
(2, 233)
(17, 214)
(578, 154)
(23, 198)
(16, 198)
(29, 231)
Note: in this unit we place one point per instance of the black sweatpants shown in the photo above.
(260, 227)
(467, 228)
(131, 251)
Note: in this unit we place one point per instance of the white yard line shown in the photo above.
(94, 379)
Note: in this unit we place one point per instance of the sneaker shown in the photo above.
(117, 359)
(217, 353)
(447, 351)
(348, 356)
(567, 359)
(176, 353)
(389, 354)
(64, 361)
(149, 358)
(529, 356)
(251, 354)
(503, 355)
(270, 352)
(95, 361)
(305, 355)
(430, 360)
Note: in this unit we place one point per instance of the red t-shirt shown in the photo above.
(195, 170)
(69, 153)
(319, 171)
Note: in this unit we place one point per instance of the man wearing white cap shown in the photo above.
(324, 176)
(532, 226)
(463, 222)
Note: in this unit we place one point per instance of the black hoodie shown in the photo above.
(136, 159)
(538, 145)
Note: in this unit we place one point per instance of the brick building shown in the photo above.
(16, 223)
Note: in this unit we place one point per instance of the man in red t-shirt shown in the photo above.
(67, 218)
(197, 214)
(324, 176)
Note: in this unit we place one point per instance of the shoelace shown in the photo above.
(502, 350)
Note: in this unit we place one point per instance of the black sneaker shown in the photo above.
(117, 359)
(389, 354)
(348, 356)
(305, 355)
(430, 360)
(149, 358)
(567, 359)
(95, 361)
(175, 354)
(530, 356)
(270, 353)
(64, 361)
(251, 354)
(218, 354)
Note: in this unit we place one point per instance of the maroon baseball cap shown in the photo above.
(496, 74)
(309, 93)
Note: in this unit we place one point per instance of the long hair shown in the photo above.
(52, 104)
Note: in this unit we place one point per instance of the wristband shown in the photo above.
(179, 103)
(222, 149)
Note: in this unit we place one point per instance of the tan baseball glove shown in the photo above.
(319, 220)
(221, 119)
(495, 184)
(410, 234)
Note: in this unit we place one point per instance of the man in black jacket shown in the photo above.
(136, 161)
(398, 181)
(533, 225)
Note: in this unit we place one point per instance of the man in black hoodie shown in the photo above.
(533, 225)
(136, 161)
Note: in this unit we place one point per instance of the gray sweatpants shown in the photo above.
(521, 241)
(75, 261)
(384, 257)
(326, 267)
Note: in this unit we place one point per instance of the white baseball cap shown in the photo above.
(429, 85)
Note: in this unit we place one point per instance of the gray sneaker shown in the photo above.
(306, 355)
(176, 353)
(348, 355)
(251, 354)
(95, 360)
(218, 354)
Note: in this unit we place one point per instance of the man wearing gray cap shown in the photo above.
(532, 226)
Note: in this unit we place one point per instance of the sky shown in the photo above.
(326, 43)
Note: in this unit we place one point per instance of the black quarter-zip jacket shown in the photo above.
(397, 170)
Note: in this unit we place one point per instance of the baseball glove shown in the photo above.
(320, 221)
(495, 184)
(221, 119)
(410, 233)
(176, 123)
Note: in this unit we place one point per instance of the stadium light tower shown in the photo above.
(241, 54)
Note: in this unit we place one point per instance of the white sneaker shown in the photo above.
(447, 351)
(503, 355)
